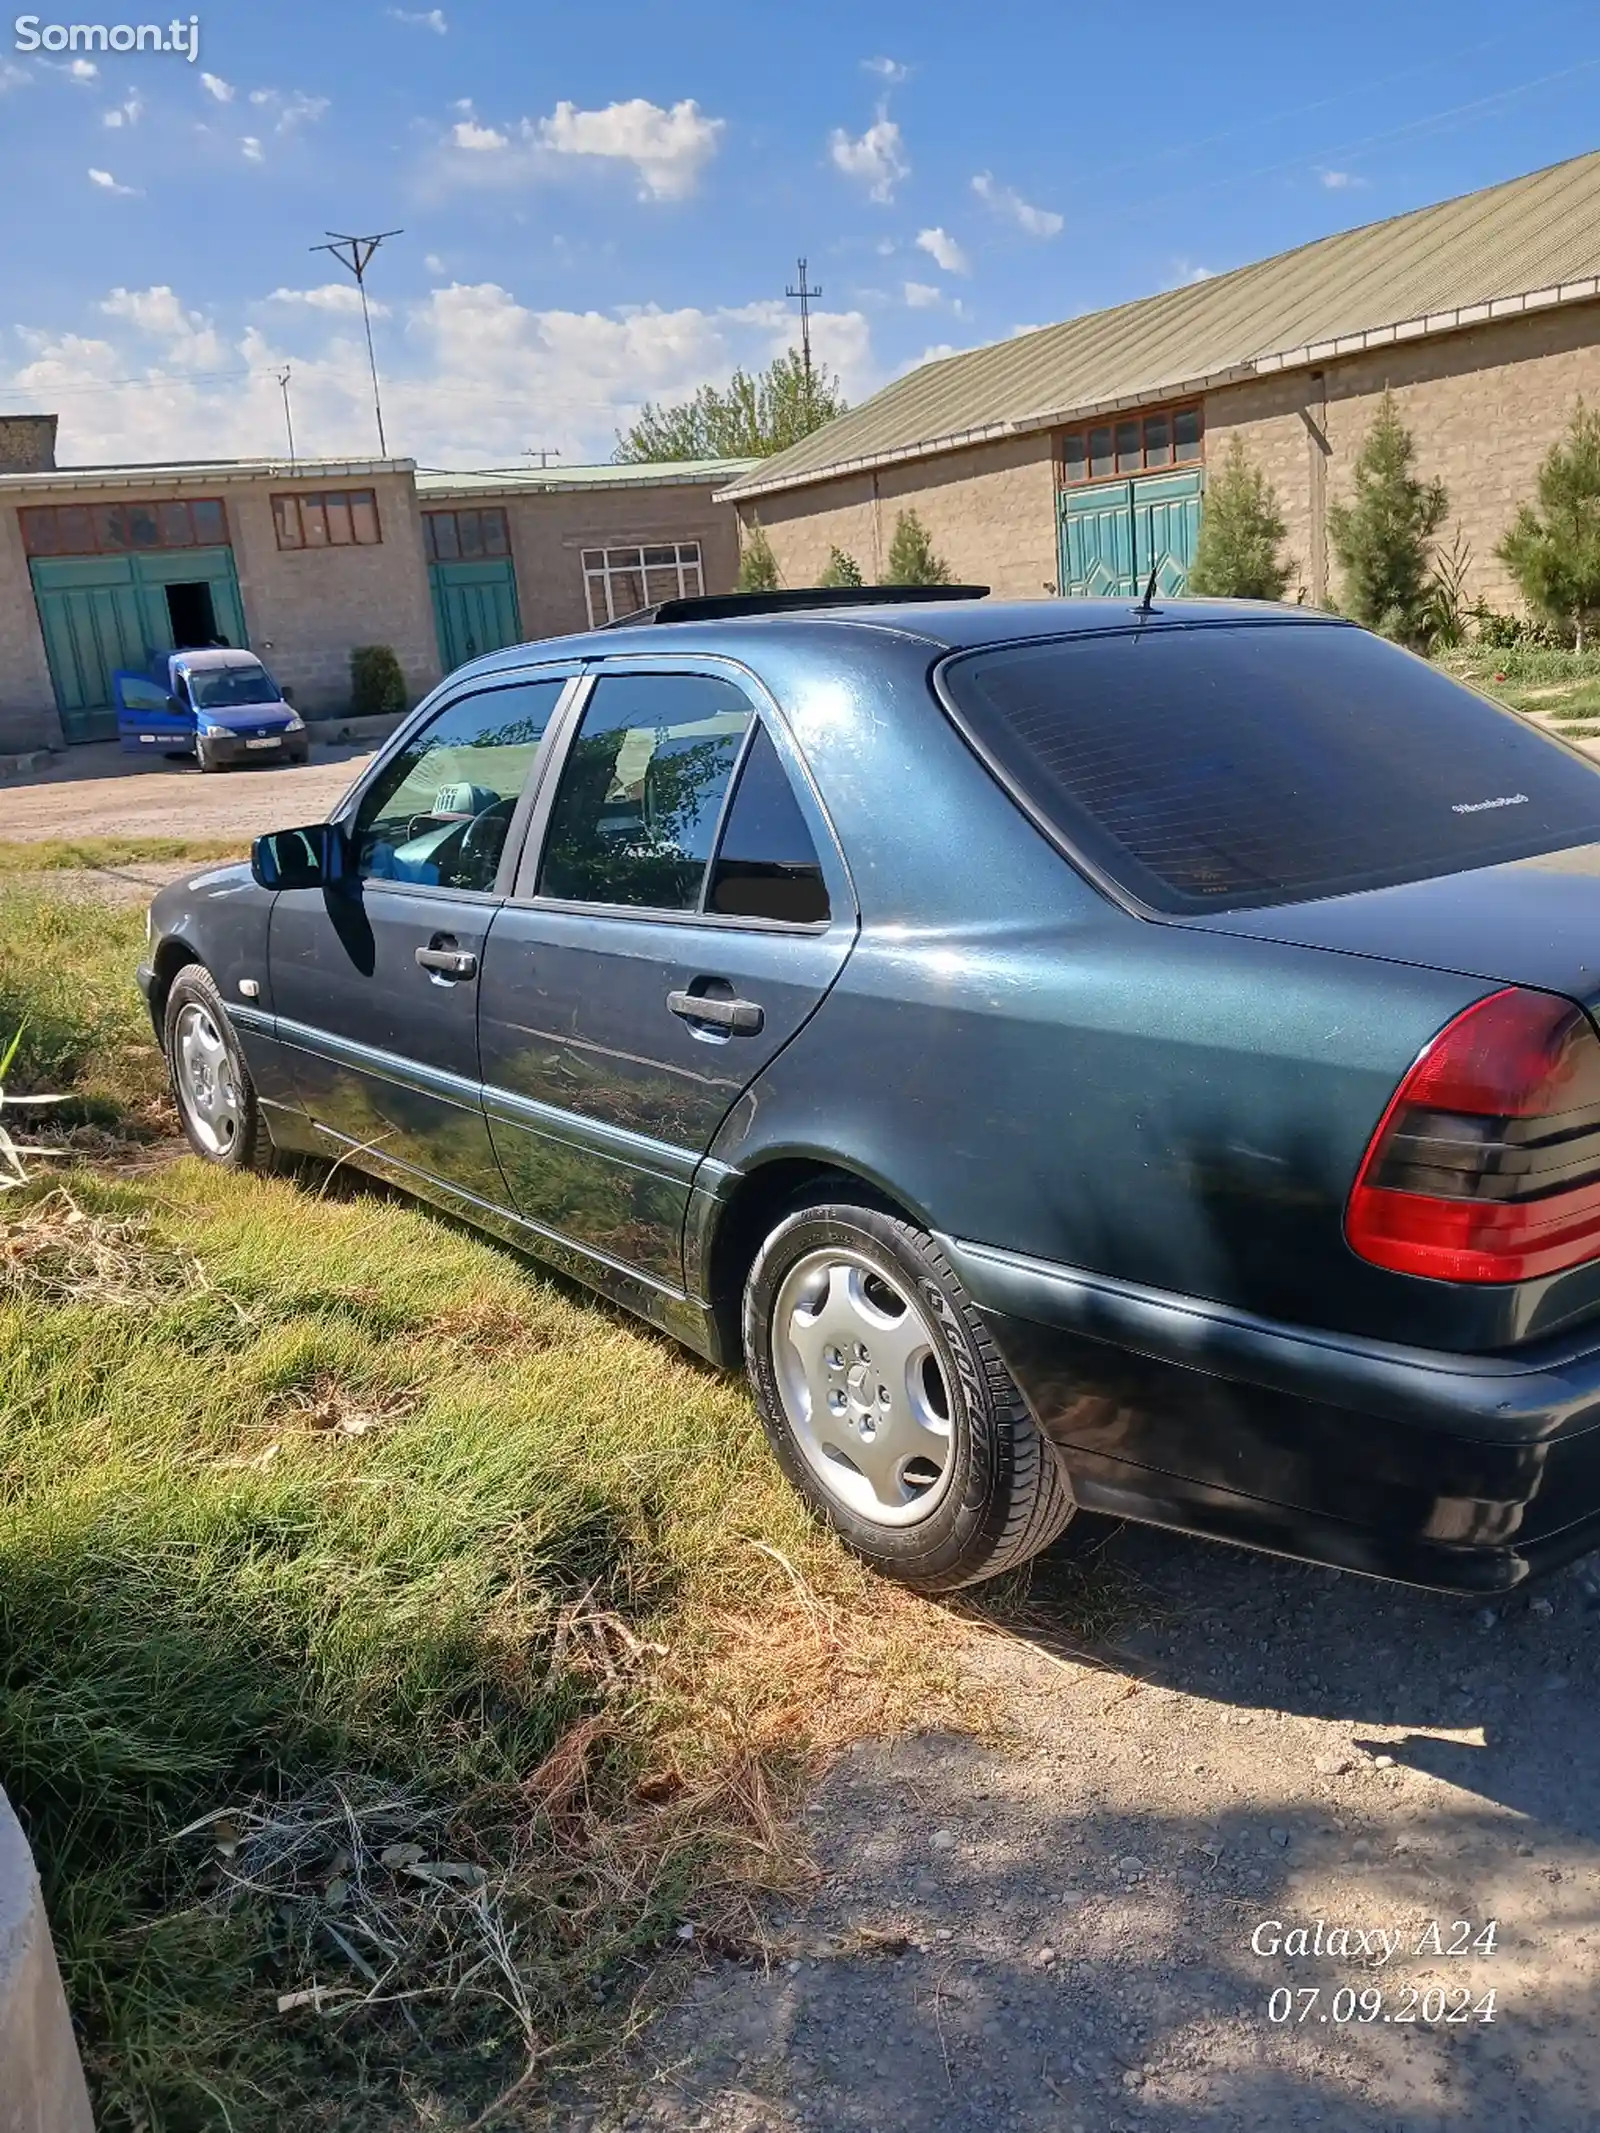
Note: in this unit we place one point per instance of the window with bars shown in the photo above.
(619, 581)
(339, 518)
(120, 529)
(465, 536)
(1133, 444)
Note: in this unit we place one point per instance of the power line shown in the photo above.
(356, 254)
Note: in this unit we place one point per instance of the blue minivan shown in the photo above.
(218, 705)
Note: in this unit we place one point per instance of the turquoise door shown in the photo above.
(99, 614)
(1114, 533)
(474, 609)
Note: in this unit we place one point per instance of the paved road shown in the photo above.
(99, 792)
(1076, 1899)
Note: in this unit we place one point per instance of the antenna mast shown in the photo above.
(283, 377)
(355, 253)
(805, 294)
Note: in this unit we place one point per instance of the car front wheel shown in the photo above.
(216, 1097)
(887, 1404)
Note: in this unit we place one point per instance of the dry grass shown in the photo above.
(74, 855)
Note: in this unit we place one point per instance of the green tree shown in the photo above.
(841, 569)
(911, 557)
(758, 566)
(377, 685)
(1553, 551)
(1241, 532)
(748, 418)
(1383, 537)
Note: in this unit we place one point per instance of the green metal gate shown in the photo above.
(1114, 533)
(474, 609)
(102, 613)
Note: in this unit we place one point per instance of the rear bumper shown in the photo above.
(1464, 1473)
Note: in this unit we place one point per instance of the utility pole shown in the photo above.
(355, 253)
(805, 294)
(544, 453)
(288, 418)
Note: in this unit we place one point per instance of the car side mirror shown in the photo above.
(297, 858)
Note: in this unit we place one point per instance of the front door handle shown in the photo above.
(448, 962)
(743, 1018)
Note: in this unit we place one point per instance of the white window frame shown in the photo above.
(603, 567)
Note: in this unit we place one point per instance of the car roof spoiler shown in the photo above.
(729, 607)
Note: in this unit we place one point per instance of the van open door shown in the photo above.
(149, 721)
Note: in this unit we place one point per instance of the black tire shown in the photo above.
(236, 1137)
(1003, 1495)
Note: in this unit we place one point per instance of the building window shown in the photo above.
(465, 536)
(1133, 444)
(619, 581)
(340, 518)
(120, 529)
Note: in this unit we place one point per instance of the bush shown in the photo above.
(1383, 537)
(1241, 532)
(841, 569)
(377, 686)
(911, 557)
(758, 566)
(1553, 551)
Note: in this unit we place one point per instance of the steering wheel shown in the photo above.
(483, 838)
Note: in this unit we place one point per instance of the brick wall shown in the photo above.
(1483, 405)
(28, 717)
(27, 443)
(308, 608)
(551, 528)
(989, 510)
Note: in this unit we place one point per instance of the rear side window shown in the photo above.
(767, 865)
(1223, 768)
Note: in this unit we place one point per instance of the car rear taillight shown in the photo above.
(1486, 1165)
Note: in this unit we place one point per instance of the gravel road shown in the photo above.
(1053, 1928)
(99, 792)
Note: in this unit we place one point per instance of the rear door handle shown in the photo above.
(744, 1018)
(448, 962)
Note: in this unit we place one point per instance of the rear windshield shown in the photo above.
(1222, 767)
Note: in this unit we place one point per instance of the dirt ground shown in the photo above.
(1080, 1924)
(99, 792)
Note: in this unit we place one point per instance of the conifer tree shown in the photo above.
(911, 557)
(841, 569)
(1241, 532)
(1383, 537)
(1553, 550)
(758, 566)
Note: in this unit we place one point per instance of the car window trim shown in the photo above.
(764, 709)
(567, 671)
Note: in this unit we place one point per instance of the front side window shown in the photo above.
(642, 791)
(1220, 769)
(620, 581)
(439, 810)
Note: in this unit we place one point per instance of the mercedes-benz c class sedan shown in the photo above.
(1069, 1055)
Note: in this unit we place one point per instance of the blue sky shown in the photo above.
(603, 205)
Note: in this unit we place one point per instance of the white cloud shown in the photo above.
(251, 149)
(187, 339)
(433, 263)
(432, 18)
(214, 85)
(1186, 271)
(922, 295)
(290, 111)
(13, 77)
(668, 148)
(889, 70)
(479, 140)
(84, 70)
(1037, 221)
(341, 298)
(108, 184)
(1339, 181)
(876, 159)
(126, 113)
(943, 250)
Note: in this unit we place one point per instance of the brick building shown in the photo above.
(1074, 458)
(100, 567)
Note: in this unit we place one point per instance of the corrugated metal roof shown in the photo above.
(178, 473)
(1427, 271)
(435, 483)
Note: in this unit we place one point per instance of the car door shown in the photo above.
(148, 719)
(375, 977)
(681, 911)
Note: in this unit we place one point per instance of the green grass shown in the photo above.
(1559, 686)
(57, 855)
(327, 1528)
(67, 982)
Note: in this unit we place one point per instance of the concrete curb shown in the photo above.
(42, 2089)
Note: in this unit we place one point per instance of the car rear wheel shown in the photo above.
(887, 1405)
(216, 1097)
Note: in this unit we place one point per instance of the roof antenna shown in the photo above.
(1146, 606)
